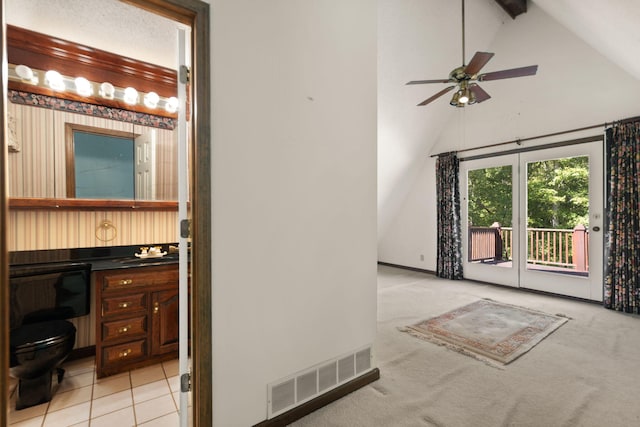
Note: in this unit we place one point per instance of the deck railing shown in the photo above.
(545, 246)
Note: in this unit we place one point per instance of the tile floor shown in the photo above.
(142, 397)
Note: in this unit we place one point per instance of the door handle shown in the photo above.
(596, 228)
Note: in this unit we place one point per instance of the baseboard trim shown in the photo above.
(298, 412)
(404, 267)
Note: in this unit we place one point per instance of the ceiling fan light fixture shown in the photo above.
(464, 96)
(470, 93)
(455, 100)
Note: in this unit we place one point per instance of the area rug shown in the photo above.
(488, 329)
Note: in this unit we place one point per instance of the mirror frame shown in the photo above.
(196, 14)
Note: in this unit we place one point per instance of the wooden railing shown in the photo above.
(545, 246)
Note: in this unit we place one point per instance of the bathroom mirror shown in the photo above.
(48, 141)
(62, 141)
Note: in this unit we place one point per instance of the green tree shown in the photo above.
(558, 193)
(490, 196)
(557, 190)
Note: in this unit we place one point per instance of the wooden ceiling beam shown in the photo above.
(513, 7)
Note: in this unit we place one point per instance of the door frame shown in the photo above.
(194, 13)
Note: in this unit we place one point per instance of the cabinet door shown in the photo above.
(164, 329)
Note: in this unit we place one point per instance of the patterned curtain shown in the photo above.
(622, 247)
(449, 233)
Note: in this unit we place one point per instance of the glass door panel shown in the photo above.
(563, 201)
(558, 215)
(488, 203)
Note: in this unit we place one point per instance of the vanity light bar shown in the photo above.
(83, 87)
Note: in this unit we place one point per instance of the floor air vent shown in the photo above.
(298, 388)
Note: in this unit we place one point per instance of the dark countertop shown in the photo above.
(133, 262)
(100, 258)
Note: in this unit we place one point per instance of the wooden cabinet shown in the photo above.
(137, 323)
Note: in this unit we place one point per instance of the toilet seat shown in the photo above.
(40, 335)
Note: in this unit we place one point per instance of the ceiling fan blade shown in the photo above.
(436, 96)
(507, 74)
(478, 61)
(420, 82)
(479, 93)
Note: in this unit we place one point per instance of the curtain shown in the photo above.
(622, 244)
(449, 265)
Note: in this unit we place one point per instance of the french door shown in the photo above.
(534, 220)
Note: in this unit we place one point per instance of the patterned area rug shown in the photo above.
(488, 329)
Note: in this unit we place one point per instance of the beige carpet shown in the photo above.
(488, 330)
(585, 374)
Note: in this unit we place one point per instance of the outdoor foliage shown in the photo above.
(490, 196)
(558, 193)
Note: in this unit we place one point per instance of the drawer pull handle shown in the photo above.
(124, 304)
(124, 282)
(124, 329)
(156, 308)
(125, 353)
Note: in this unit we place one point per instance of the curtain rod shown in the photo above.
(520, 141)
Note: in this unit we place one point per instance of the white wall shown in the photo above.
(419, 39)
(294, 192)
(575, 87)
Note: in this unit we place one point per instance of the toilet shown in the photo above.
(42, 298)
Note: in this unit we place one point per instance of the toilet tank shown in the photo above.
(41, 292)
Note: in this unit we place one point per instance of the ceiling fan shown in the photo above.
(464, 77)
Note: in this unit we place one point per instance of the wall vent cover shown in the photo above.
(291, 391)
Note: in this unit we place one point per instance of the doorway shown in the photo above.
(195, 14)
(533, 219)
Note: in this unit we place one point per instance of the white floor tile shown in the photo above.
(171, 367)
(108, 401)
(68, 416)
(170, 420)
(109, 385)
(75, 381)
(150, 391)
(27, 413)
(176, 398)
(121, 418)
(174, 383)
(111, 403)
(31, 422)
(154, 408)
(147, 375)
(73, 397)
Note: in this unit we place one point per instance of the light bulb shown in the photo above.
(151, 100)
(25, 73)
(172, 105)
(107, 90)
(54, 80)
(83, 86)
(130, 96)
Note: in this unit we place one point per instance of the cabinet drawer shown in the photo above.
(122, 353)
(133, 279)
(124, 328)
(124, 304)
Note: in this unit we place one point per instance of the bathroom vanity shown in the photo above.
(136, 318)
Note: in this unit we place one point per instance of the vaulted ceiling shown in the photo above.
(420, 39)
